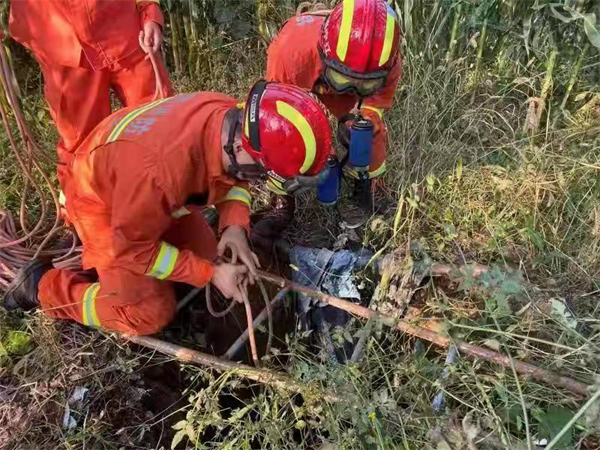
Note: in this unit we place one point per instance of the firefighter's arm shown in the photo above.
(234, 207)
(384, 99)
(373, 107)
(141, 215)
(149, 11)
(234, 213)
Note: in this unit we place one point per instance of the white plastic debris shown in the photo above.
(76, 401)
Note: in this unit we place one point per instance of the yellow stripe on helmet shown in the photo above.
(389, 40)
(345, 30)
(238, 193)
(247, 125)
(308, 136)
(89, 316)
(165, 262)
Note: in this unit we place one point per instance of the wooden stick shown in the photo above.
(275, 379)
(465, 348)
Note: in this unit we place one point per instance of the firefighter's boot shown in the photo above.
(22, 293)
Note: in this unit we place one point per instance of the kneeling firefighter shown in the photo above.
(131, 179)
(350, 58)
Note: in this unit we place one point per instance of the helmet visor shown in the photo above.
(343, 83)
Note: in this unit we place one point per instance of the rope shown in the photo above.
(18, 248)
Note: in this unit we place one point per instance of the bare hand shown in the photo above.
(234, 239)
(231, 280)
(151, 37)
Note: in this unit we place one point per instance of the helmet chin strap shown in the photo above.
(246, 172)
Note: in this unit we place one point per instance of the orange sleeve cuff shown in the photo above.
(234, 212)
(192, 270)
(150, 12)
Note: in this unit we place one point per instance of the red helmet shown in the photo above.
(287, 131)
(359, 43)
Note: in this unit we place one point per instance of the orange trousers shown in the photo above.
(79, 97)
(122, 300)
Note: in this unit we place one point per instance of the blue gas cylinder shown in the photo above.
(361, 144)
(328, 191)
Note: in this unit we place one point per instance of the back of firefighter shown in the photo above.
(129, 183)
(85, 48)
(345, 55)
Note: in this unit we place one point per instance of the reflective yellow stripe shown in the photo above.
(179, 213)
(247, 125)
(89, 316)
(346, 28)
(308, 136)
(372, 174)
(378, 172)
(377, 110)
(389, 40)
(239, 194)
(351, 173)
(116, 132)
(275, 187)
(62, 200)
(153, 1)
(165, 262)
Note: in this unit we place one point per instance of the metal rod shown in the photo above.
(463, 347)
(241, 341)
(188, 298)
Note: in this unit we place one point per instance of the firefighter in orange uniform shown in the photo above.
(85, 47)
(130, 181)
(346, 56)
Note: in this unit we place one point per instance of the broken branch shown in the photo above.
(277, 380)
(465, 348)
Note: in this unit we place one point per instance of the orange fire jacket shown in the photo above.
(293, 58)
(59, 32)
(132, 177)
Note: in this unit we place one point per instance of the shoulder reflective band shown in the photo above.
(89, 316)
(130, 117)
(181, 212)
(239, 194)
(254, 112)
(308, 136)
(376, 110)
(389, 39)
(165, 262)
(345, 29)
